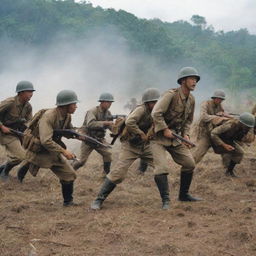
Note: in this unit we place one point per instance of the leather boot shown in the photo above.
(22, 171)
(106, 167)
(163, 187)
(6, 170)
(143, 166)
(106, 188)
(230, 169)
(67, 192)
(185, 181)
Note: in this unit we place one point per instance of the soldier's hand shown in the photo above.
(5, 129)
(108, 123)
(168, 133)
(228, 147)
(68, 155)
(144, 137)
(186, 137)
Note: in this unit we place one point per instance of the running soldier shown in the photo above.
(135, 144)
(15, 112)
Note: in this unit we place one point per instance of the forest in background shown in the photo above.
(229, 57)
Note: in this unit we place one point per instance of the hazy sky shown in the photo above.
(224, 15)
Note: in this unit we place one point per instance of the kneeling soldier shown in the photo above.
(135, 144)
(44, 150)
(226, 139)
(15, 112)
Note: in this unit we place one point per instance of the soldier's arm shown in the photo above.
(132, 121)
(187, 124)
(91, 121)
(158, 111)
(46, 134)
(216, 132)
(204, 115)
(4, 106)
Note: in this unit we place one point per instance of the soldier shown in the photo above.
(174, 113)
(135, 144)
(211, 113)
(44, 150)
(96, 122)
(227, 137)
(15, 112)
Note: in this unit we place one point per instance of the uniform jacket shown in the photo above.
(93, 122)
(174, 111)
(10, 110)
(51, 152)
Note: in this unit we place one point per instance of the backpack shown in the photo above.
(30, 139)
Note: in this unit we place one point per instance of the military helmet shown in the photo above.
(150, 94)
(186, 72)
(247, 119)
(106, 97)
(220, 94)
(66, 97)
(23, 86)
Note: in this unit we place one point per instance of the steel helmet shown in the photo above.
(151, 94)
(220, 94)
(186, 72)
(106, 97)
(66, 97)
(23, 86)
(247, 119)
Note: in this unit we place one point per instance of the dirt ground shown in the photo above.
(34, 222)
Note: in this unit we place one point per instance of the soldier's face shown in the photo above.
(26, 96)
(151, 104)
(217, 101)
(106, 104)
(190, 83)
(71, 108)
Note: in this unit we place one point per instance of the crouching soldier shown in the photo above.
(227, 139)
(174, 113)
(45, 152)
(134, 144)
(211, 114)
(15, 112)
(96, 122)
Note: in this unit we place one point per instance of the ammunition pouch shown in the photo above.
(30, 142)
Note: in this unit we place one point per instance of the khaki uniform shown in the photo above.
(50, 154)
(233, 133)
(94, 127)
(207, 117)
(132, 147)
(10, 110)
(173, 111)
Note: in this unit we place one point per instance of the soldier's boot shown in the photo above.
(163, 187)
(22, 171)
(76, 164)
(230, 169)
(143, 167)
(107, 187)
(6, 170)
(67, 188)
(185, 181)
(106, 167)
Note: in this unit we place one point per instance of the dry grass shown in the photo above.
(33, 221)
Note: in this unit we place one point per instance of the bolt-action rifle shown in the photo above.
(71, 134)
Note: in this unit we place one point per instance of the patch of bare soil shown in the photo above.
(34, 222)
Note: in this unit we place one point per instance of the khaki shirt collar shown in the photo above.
(182, 95)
